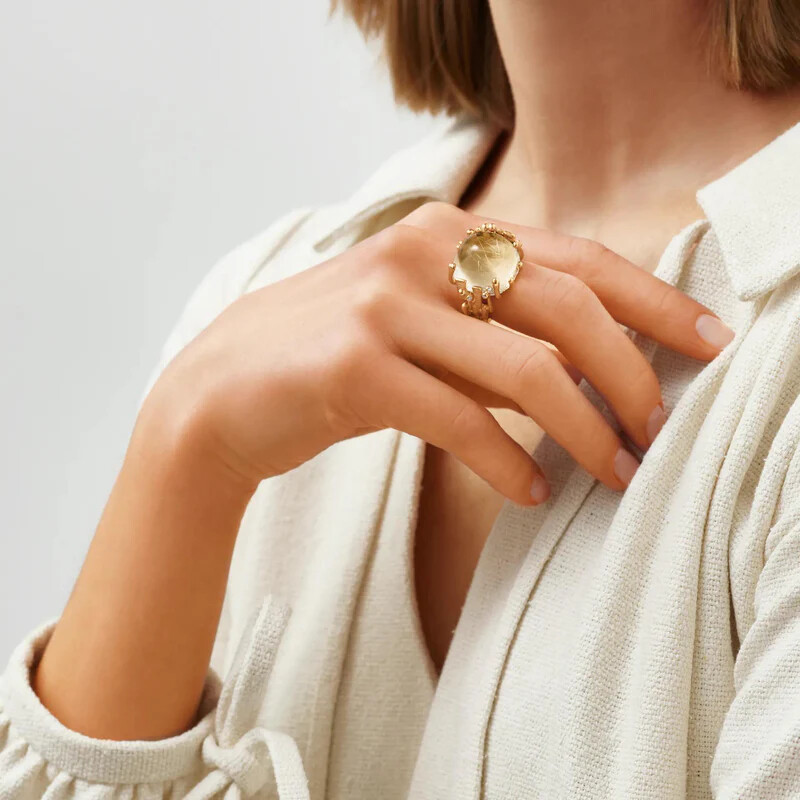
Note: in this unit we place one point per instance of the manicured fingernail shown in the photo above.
(625, 465)
(655, 422)
(540, 490)
(714, 331)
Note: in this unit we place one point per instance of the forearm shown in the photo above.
(129, 656)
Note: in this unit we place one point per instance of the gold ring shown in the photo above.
(487, 261)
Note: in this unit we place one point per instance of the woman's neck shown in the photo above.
(618, 117)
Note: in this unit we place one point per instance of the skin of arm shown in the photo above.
(161, 552)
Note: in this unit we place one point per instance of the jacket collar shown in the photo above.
(439, 167)
(754, 209)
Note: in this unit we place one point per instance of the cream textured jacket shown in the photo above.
(636, 645)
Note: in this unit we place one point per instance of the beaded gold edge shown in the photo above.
(479, 303)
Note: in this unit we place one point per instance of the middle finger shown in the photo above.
(559, 308)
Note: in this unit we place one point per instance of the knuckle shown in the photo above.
(349, 363)
(429, 214)
(587, 254)
(373, 299)
(568, 294)
(527, 365)
(398, 247)
(666, 299)
(469, 423)
(390, 243)
(643, 382)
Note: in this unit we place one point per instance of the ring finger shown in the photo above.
(528, 373)
(560, 308)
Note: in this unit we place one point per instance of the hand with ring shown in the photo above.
(396, 333)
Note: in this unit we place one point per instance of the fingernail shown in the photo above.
(625, 465)
(540, 490)
(655, 422)
(714, 331)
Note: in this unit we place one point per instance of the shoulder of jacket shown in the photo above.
(436, 166)
(227, 279)
(231, 275)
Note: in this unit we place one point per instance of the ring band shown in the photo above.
(487, 261)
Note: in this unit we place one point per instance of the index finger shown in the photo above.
(630, 294)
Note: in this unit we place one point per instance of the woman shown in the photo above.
(630, 583)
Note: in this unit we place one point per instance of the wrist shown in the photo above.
(175, 441)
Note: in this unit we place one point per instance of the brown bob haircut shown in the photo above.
(443, 54)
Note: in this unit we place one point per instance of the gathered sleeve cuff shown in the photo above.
(223, 750)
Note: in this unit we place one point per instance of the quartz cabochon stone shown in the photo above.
(484, 256)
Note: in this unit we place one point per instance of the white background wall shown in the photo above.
(139, 141)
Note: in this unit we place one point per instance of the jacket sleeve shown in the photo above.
(225, 753)
(758, 752)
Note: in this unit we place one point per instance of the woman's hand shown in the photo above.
(374, 338)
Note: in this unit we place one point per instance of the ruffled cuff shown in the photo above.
(38, 753)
